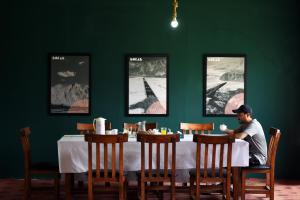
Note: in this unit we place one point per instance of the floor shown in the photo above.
(12, 189)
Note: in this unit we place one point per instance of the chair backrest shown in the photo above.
(273, 144)
(196, 128)
(106, 140)
(24, 136)
(157, 139)
(86, 128)
(134, 126)
(210, 168)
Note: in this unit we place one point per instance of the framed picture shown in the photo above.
(69, 84)
(224, 84)
(147, 84)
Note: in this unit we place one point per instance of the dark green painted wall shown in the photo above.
(266, 31)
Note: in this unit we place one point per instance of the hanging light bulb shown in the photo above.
(174, 22)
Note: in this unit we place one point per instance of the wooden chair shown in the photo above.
(268, 169)
(85, 128)
(196, 128)
(157, 175)
(106, 175)
(216, 178)
(31, 169)
(134, 126)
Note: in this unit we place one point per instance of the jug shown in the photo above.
(100, 125)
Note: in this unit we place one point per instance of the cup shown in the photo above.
(163, 130)
(114, 131)
(223, 127)
(108, 132)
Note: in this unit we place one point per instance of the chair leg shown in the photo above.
(139, 187)
(197, 188)
(244, 176)
(142, 186)
(272, 186)
(228, 189)
(121, 190)
(125, 189)
(146, 191)
(173, 192)
(268, 179)
(224, 190)
(27, 187)
(90, 190)
(268, 183)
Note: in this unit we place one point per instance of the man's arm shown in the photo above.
(241, 135)
(238, 135)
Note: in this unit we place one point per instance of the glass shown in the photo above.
(181, 135)
(131, 132)
(141, 126)
(163, 130)
(125, 130)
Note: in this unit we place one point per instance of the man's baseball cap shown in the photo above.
(243, 109)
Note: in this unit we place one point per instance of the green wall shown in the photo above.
(266, 31)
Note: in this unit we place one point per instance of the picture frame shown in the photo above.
(69, 84)
(224, 83)
(147, 84)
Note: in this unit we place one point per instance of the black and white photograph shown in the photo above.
(224, 84)
(69, 84)
(147, 84)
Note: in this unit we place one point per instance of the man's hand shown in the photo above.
(224, 128)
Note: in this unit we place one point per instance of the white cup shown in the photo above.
(114, 131)
(223, 127)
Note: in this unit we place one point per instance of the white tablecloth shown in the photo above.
(73, 154)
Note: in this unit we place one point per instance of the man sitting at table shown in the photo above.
(252, 132)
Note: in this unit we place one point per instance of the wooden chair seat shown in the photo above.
(192, 172)
(109, 173)
(257, 167)
(268, 170)
(36, 169)
(154, 173)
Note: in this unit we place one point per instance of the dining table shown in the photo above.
(73, 158)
